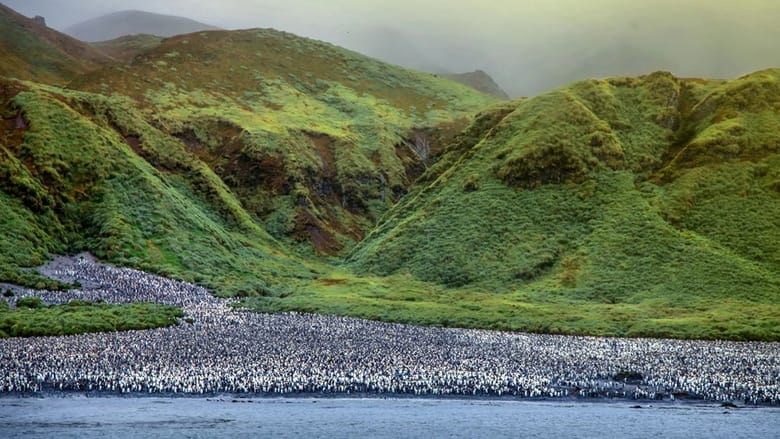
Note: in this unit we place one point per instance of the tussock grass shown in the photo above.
(77, 184)
(78, 317)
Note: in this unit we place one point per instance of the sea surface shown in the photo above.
(109, 416)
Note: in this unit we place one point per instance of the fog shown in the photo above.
(528, 46)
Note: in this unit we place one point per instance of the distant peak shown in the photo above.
(133, 22)
(480, 81)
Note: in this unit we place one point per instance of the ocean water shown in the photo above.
(150, 417)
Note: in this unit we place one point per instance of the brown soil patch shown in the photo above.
(330, 281)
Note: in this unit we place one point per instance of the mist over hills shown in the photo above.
(480, 81)
(531, 47)
(123, 23)
(125, 34)
(298, 175)
(527, 47)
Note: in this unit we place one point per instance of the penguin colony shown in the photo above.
(228, 350)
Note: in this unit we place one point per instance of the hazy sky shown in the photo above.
(526, 45)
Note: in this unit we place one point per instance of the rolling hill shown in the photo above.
(214, 179)
(123, 23)
(30, 50)
(126, 48)
(478, 80)
(315, 141)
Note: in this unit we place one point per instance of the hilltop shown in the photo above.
(478, 80)
(126, 48)
(30, 50)
(124, 23)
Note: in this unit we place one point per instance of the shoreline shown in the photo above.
(251, 397)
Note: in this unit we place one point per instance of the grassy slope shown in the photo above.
(34, 52)
(631, 207)
(152, 182)
(315, 140)
(134, 181)
(73, 182)
(80, 317)
(128, 47)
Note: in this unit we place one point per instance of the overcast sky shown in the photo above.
(528, 46)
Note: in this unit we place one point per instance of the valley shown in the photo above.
(290, 174)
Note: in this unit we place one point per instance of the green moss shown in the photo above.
(79, 317)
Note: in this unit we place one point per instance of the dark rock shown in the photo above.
(729, 405)
(40, 20)
(20, 123)
(636, 407)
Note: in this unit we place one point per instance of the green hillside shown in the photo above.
(644, 206)
(29, 50)
(216, 184)
(315, 141)
(71, 181)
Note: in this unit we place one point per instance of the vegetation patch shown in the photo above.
(32, 318)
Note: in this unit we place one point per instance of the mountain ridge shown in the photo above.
(479, 80)
(31, 50)
(134, 22)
